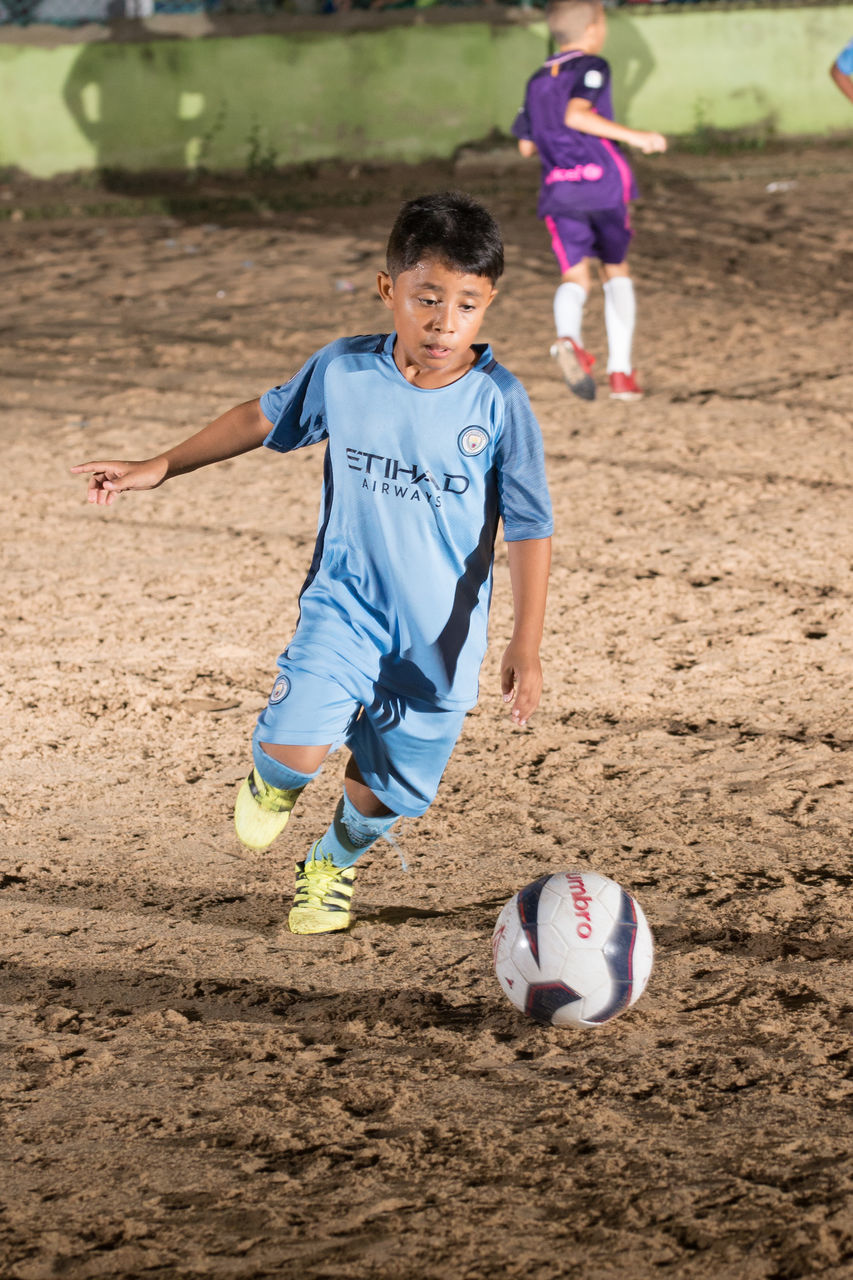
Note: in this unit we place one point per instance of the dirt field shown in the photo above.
(190, 1091)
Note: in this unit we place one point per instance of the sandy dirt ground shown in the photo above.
(190, 1091)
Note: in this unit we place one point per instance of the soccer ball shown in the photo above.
(572, 949)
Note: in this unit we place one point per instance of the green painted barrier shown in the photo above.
(411, 91)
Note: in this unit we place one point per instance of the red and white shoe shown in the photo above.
(624, 386)
(576, 367)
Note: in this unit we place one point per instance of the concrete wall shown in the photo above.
(409, 85)
(731, 68)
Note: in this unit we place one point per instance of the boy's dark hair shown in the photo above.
(450, 226)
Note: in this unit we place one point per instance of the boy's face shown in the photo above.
(437, 314)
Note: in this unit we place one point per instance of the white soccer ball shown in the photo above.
(572, 949)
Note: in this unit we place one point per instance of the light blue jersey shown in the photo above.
(844, 61)
(415, 482)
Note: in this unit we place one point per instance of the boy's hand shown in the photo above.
(109, 479)
(521, 681)
(648, 142)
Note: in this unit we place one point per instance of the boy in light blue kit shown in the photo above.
(841, 71)
(587, 186)
(429, 443)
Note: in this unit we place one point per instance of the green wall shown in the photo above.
(406, 91)
(731, 69)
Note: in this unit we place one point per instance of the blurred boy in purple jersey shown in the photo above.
(587, 185)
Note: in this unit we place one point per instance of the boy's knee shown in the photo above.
(613, 270)
(276, 772)
(301, 758)
(404, 803)
(579, 274)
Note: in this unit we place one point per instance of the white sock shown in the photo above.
(568, 310)
(620, 310)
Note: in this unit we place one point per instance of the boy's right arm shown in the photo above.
(581, 115)
(240, 429)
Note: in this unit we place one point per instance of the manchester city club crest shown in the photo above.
(472, 441)
(280, 690)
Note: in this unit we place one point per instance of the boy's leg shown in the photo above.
(569, 302)
(400, 748)
(283, 761)
(570, 240)
(355, 826)
(266, 798)
(620, 310)
(324, 881)
(613, 236)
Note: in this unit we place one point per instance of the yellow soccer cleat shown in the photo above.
(261, 811)
(323, 897)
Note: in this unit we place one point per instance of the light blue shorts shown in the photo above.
(400, 744)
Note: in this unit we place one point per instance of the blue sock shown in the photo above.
(351, 833)
(276, 774)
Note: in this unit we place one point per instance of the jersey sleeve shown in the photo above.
(521, 126)
(844, 61)
(525, 504)
(592, 79)
(297, 409)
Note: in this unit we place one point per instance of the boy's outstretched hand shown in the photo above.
(109, 479)
(521, 681)
(236, 431)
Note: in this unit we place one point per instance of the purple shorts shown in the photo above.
(603, 233)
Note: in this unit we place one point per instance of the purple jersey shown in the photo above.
(580, 172)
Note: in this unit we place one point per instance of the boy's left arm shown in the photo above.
(521, 131)
(521, 669)
(843, 81)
